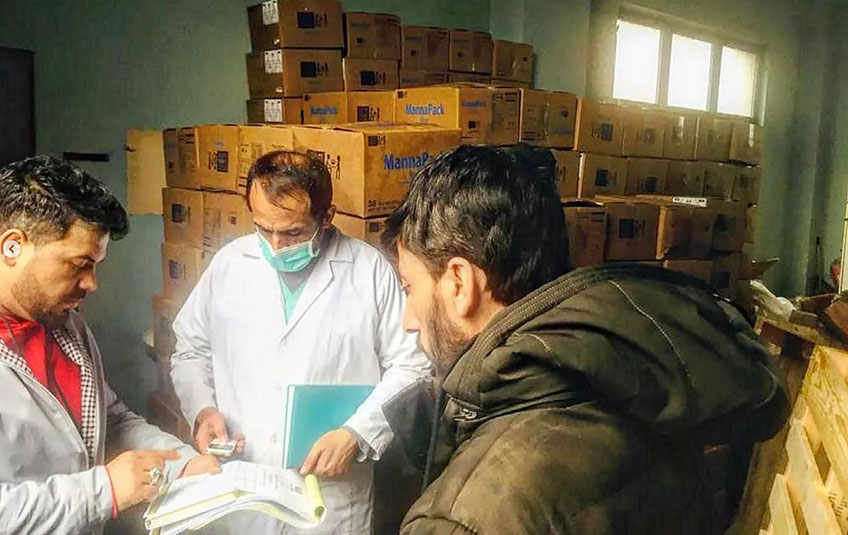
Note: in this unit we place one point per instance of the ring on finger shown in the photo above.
(155, 475)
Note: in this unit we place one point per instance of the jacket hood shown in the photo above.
(654, 344)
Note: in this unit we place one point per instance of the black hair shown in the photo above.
(497, 208)
(282, 172)
(45, 196)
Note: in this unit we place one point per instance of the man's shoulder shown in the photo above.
(362, 252)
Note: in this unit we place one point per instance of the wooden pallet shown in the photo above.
(809, 495)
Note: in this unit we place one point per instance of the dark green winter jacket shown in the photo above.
(586, 407)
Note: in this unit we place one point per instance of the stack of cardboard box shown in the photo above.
(296, 49)
(678, 189)
(203, 210)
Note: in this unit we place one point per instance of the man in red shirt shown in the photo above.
(58, 415)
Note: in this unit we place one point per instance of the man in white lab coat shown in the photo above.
(295, 303)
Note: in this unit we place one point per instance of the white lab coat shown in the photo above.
(236, 352)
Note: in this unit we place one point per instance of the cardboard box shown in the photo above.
(325, 108)
(425, 48)
(181, 269)
(567, 172)
(644, 133)
(295, 24)
(418, 78)
(560, 119)
(372, 35)
(714, 135)
(729, 231)
(471, 51)
(182, 215)
(164, 312)
(185, 173)
(746, 184)
(548, 118)
(293, 73)
(367, 230)
(602, 175)
(631, 231)
(746, 143)
(170, 147)
(681, 136)
(673, 231)
(726, 268)
(146, 176)
(534, 108)
(225, 218)
(371, 106)
(750, 223)
(472, 77)
(718, 180)
(218, 149)
(587, 233)
(468, 108)
(646, 176)
(370, 74)
(599, 128)
(506, 104)
(288, 110)
(256, 141)
(685, 230)
(512, 61)
(685, 179)
(702, 269)
(371, 163)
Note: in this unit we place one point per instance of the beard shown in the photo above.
(446, 339)
(32, 298)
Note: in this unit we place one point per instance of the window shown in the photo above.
(659, 63)
(637, 62)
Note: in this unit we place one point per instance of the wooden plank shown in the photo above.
(806, 485)
(837, 500)
(780, 506)
(820, 392)
(769, 457)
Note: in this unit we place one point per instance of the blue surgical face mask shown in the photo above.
(292, 258)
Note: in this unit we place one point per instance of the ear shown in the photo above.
(11, 246)
(462, 285)
(329, 216)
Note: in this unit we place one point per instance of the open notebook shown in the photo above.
(193, 502)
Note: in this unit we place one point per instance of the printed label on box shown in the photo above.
(701, 202)
(273, 110)
(270, 13)
(273, 61)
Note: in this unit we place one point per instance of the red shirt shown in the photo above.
(47, 362)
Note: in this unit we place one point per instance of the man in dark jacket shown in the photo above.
(569, 402)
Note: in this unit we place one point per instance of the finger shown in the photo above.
(203, 438)
(240, 443)
(311, 461)
(219, 428)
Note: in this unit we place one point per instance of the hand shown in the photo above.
(204, 464)
(210, 425)
(331, 455)
(129, 474)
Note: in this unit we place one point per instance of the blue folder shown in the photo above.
(312, 411)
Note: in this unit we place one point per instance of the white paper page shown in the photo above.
(188, 491)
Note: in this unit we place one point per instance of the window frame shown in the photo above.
(668, 26)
